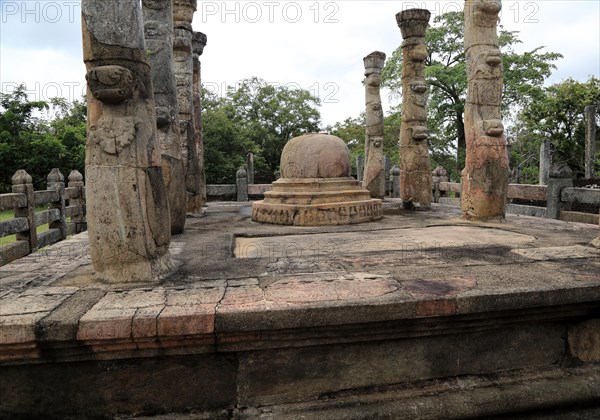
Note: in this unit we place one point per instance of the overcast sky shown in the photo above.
(317, 45)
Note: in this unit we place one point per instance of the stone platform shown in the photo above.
(418, 315)
(317, 202)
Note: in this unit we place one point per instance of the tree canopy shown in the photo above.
(446, 74)
(38, 136)
(254, 117)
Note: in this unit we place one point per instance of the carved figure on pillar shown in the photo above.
(158, 32)
(198, 44)
(374, 172)
(415, 169)
(127, 208)
(486, 172)
(183, 13)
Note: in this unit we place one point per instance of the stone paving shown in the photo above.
(281, 321)
(238, 275)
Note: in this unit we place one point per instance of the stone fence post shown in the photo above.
(56, 182)
(438, 175)
(76, 181)
(560, 177)
(395, 180)
(22, 183)
(242, 184)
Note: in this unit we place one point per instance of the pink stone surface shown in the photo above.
(187, 320)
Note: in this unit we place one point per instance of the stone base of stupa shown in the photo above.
(317, 202)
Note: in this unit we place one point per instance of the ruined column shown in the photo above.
(485, 176)
(158, 33)
(374, 172)
(415, 169)
(127, 209)
(545, 161)
(198, 44)
(590, 141)
(360, 165)
(183, 13)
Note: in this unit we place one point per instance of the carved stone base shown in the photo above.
(316, 202)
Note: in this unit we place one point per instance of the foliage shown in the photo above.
(254, 117)
(34, 143)
(556, 115)
(446, 75)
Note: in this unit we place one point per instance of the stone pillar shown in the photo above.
(241, 178)
(359, 167)
(183, 13)
(545, 161)
(415, 169)
(485, 176)
(590, 141)
(438, 175)
(158, 33)
(76, 181)
(127, 208)
(561, 177)
(387, 165)
(198, 44)
(395, 178)
(56, 182)
(374, 173)
(250, 166)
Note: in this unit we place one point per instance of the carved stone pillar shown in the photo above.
(127, 209)
(485, 176)
(198, 44)
(374, 173)
(158, 31)
(415, 170)
(183, 13)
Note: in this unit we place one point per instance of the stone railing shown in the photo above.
(559, 196)
(62, 219)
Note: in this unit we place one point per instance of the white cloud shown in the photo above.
(317, 44)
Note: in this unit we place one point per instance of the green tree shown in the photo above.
(29, 141)
(446, 75)
(254, 117)
(556, 115)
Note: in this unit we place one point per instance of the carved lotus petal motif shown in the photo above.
(110, 84)
(418, 87)
(114, 134)
(419, 133)
(493, 128)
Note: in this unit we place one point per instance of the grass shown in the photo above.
(9, 214)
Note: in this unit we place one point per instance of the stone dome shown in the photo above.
(315, 155)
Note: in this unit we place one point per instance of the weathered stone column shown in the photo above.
(395, 179)
(250, 166)
(360, 166)
(198, 44)
(183, 13)
(374, 172)
(127, 208)
(590, 141)
(485, 176)
(545, 161)
(158, 31)
(415, 169)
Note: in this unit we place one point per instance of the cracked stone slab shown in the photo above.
(343, 243)
(558, 252)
